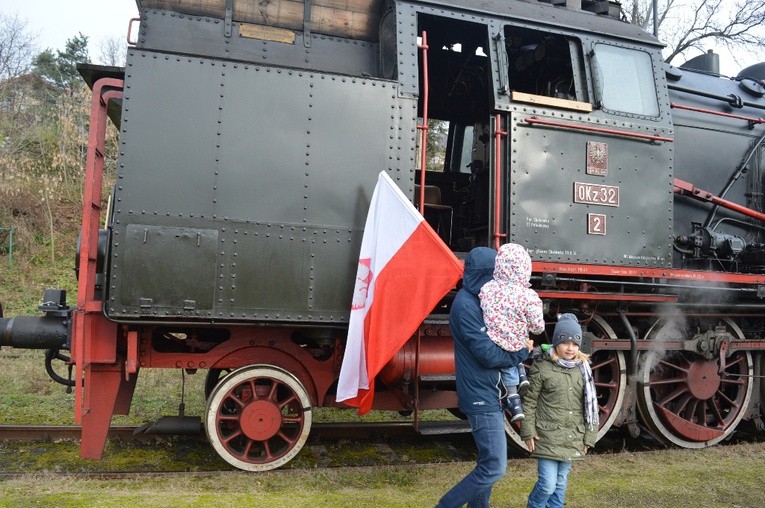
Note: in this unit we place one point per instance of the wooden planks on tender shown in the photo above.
(355, 19)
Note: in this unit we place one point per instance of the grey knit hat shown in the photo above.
(567, 329)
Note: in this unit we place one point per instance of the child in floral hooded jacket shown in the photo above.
(511, 309)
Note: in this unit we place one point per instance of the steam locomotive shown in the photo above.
(251, 135)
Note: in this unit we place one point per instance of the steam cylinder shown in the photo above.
(436, 359)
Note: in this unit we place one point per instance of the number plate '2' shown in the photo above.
(594, 194)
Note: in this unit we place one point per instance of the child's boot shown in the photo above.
(514, 406)
(523, 380)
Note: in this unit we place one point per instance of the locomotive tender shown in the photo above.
(251, 135)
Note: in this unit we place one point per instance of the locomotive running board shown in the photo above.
(695, 276)
(619, 297)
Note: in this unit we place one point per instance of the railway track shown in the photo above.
(24, 448)
(35, 449)
(355, 431)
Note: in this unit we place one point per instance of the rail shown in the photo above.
(752, 120)
(579, 127)
(331, 430)
(732, 100)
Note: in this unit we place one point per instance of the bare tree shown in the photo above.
(690, 25)
(112, 51)
(17, 46)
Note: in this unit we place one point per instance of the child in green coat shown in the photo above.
(561, 423)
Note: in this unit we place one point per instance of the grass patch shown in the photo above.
(321, 475)
(723, 476)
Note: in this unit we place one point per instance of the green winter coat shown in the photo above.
(554, 410)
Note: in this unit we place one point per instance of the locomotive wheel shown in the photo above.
(258, 417)
(213, 378)
(609, 371)
(609, 374)
(684, 399)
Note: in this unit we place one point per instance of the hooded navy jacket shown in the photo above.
(477, 359)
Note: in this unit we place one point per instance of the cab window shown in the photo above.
(544, 64)
(625, 80)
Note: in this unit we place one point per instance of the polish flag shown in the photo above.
(404, 270)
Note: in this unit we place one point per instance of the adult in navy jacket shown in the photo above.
(478, 361)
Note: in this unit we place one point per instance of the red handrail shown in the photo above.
(688, 189)
(498, 134)
(424, 126)
(579, 127)
(752, 120)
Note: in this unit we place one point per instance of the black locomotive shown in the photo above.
(251, 135)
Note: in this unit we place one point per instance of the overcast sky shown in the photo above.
(55, 21)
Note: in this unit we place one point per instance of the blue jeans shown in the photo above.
(552, 481)
(475, 489)
(510, 379)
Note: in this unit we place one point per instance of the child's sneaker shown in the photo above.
(512, 404)
(523, 380)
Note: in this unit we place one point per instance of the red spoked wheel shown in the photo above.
(609, 371)
(609, 374)
(258, 417)
(685, 400)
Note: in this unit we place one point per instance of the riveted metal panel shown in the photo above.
(275, 162)
(299, 154)
(331, 290)
(546, 163)
(278, 272)
(173, 271)
(263, 134)
(169, 137)
(266, 273)
(361, 116)
(297, 185)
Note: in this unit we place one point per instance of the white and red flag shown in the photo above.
(404, 270)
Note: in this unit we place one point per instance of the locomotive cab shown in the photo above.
(516, 110)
